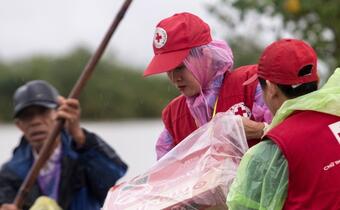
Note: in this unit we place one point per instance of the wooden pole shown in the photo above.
(48, 147)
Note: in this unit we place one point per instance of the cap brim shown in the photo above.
(46, 104)
(250, 80)
(166, 61)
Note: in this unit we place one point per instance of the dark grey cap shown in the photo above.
(36, 92)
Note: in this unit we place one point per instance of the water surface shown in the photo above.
(133, 140)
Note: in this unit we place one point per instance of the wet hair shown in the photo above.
(293, 91)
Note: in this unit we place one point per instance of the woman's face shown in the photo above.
(185, 81)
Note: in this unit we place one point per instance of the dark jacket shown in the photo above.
(86, 174)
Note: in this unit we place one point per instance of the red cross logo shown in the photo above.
(158, 37)
(240, 111)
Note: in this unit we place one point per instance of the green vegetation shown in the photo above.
(113, 92)
(317, 22)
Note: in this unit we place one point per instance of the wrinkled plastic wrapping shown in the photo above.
(253, 186)
(196, 174)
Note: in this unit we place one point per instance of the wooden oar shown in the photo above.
(48, 147)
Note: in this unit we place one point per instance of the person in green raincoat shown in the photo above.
(297, 165)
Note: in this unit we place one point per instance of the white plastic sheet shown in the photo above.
(196, 174)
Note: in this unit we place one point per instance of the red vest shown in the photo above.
(177, 117)
(313, 154)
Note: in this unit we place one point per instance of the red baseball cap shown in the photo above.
(282, 61)
(173, 39)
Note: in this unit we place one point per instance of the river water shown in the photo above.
(134, 141)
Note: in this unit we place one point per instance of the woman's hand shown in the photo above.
(253, 129)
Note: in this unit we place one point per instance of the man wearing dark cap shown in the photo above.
(297, 165)
(82, 167)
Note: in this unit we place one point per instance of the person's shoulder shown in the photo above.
(178, 101)
(240, 75)
(263, 150)
(242, 70)
(176, 106)
(21, 159)
(23, 150)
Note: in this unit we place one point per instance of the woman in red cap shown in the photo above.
(201, 69)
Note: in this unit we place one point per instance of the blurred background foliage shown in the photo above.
(115, 91)
(248, 22)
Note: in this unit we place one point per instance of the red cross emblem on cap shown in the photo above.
(160, 37)
(241, 109)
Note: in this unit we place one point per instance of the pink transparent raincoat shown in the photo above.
(210, 64)
(196, 174)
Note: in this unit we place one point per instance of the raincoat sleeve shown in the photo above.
(261, 181)
(164, 143)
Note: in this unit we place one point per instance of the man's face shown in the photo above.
(36, 123)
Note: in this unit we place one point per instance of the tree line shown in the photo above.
(115, 91)
(317, 22)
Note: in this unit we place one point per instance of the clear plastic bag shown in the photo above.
(196, 174)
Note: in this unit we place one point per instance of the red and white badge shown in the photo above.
(160, 37)
(241, 109)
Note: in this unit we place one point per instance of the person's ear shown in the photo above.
(272, 89)
(19, 124)
(170, 75)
